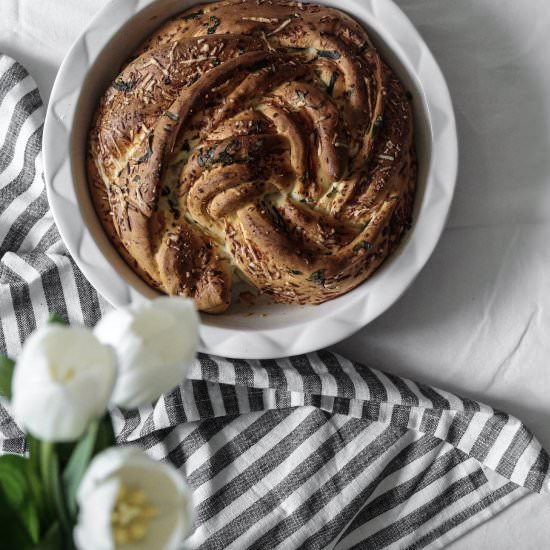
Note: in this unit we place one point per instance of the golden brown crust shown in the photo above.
(257, 136)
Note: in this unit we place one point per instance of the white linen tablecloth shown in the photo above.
(477, 320)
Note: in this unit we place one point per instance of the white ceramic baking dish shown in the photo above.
(263, 330)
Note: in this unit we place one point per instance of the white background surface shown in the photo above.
(477, 319)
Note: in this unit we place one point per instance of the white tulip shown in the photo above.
(155, 343)
(63, 379)
(128, 500)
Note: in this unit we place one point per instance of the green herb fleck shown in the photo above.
(216, 62)
(149, 151)
(257, 127)
(332, 192)
(377, 123)
(317, 277)
(330, 86)
(122, 86)
(206, 157)
(225, 158)
(172, 116)
(214, 24)
(329, 54)
(277, 219)
(137, 179)
(194, 15)
(363, 245)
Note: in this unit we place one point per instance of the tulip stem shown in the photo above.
(46, 512)
(49, 470)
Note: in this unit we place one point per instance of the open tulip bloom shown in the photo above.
(74, 489)
(128, 498)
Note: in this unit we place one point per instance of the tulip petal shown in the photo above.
(93, 531)
(155, 343)
(161, 484)
(63, 379)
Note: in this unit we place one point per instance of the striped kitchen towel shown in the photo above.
(306, 452)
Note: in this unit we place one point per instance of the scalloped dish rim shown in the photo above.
(262, 331)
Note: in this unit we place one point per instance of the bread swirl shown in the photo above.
(258, 138)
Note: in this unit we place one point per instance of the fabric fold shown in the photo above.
(496, 440)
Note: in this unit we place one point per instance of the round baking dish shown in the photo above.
(261, 330)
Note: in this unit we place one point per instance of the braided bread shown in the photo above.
(265, 140)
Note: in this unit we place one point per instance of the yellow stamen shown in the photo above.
(131, 515)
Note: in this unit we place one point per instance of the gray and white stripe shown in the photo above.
(307, 452)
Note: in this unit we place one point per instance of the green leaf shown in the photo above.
(64, 451)
(33, 448)
(77, 465)
(49, 472)
(46, 514)
(13, 479)
(17, 493)
(13, 534)
(105, 436)
(7, 366)
(52, 540)
(56, 319)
